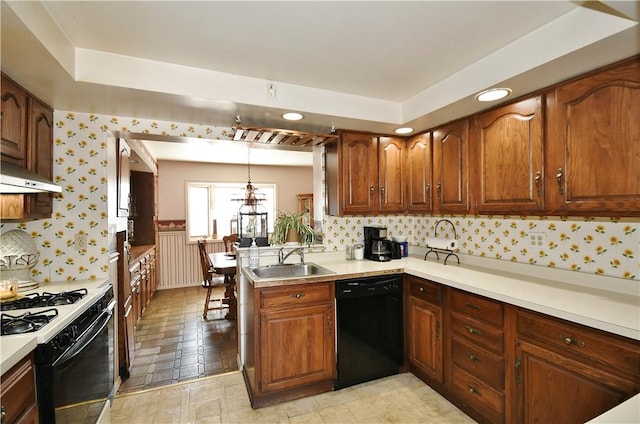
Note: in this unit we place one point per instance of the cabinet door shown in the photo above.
(14, 123)
(391, 151)
(418, 173)
(359, 174)
(297, 347)
(40, 158)
(451, 167)
(507, 154)
(553, 388)
(425, 340)
(594, 148)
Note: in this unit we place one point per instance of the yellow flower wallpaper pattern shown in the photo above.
(600, 246)
(593, 245)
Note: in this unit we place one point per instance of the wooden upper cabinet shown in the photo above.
(359, 174)
(594, 143)
(507, 151)
(418, 173)
(14, 114)
(451, 167)
(391, 151)
(40, 157)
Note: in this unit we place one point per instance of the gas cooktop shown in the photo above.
(33, 320)
(36, 300)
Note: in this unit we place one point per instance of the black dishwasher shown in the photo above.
(369, 329)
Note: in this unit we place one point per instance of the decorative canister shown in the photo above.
(404, 249)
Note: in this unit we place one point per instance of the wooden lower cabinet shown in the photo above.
(567, 373)
(293, 343)
(503, 364)
(18, 393)
(424, 328)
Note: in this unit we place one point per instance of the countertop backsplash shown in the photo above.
(603, 246)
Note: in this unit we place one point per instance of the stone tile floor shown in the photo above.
(223, 398)
(174, 343)
(185, 371)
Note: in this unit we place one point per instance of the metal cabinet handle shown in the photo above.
(437, 329)
(297, 295)
(473, 390)
(472, 330)
(538, 178)
(571, 341)
(371, 191)
(439, 190)
(472, 357)
(423, 290)
(473, 307)
(559, 177)
(427, 189)
(517, 366)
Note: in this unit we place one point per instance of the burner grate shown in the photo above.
(26, 323)
(35, 300)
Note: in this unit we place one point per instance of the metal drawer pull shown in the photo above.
(559, 176)
(472, 306)
(297, 295)
(423, 290)
(473, 390)
(473, 357)
(569, 341)
(472, 330)
(538, 178)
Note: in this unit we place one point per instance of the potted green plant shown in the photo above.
(289, 228)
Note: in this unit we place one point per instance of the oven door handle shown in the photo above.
(85, 339)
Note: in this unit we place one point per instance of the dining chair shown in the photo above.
(211, 280)
(229, 242)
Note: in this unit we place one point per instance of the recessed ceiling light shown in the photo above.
(404, 130)
(493, 94)
(292, 116)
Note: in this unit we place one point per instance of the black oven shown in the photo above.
(74, 370)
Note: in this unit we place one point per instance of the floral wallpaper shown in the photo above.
(80, 167)
(593, 245)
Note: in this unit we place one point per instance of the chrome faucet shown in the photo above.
(282, 257)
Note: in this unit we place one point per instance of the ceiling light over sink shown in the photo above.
(403, 130)
(292, 116)
(493, 94)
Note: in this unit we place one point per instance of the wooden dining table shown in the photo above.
(225, 263)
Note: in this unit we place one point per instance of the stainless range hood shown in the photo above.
(17, 180)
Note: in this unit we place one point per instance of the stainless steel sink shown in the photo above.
(289, 271)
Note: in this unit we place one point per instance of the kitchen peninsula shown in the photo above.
(599, 328)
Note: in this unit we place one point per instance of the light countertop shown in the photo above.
(606, 303)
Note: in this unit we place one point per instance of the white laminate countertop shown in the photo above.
(14, 348)
(606, 303)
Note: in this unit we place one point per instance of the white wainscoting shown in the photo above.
(179, 261)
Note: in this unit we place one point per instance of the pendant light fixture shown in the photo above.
(252, 217)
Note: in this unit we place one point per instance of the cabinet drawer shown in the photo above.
(478, 307)
(621, 354)
(478, 395)
(478, 362)
(292, 296)
(425, 290)
(476, 332)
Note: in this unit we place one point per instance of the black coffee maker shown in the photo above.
(376, 243)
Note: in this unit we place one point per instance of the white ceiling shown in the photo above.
(362, 65)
